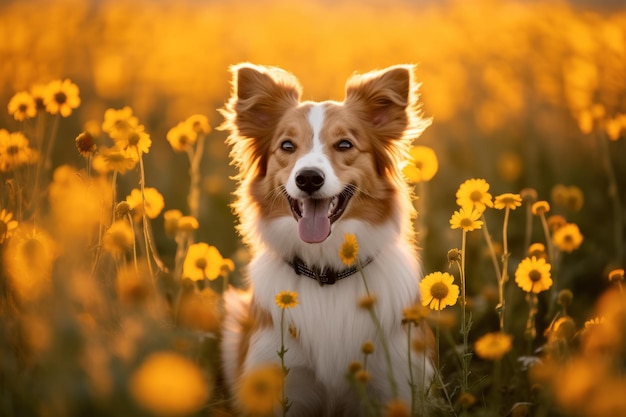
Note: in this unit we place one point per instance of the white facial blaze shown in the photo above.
(316, 158)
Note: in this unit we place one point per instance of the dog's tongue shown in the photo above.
(314, 226)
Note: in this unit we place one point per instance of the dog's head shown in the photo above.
(311, 166)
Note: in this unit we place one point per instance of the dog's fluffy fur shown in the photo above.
(309, 173)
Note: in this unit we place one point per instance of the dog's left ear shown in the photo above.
(385, 99)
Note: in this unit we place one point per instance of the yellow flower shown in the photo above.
(415, 314)
(287, 299)
(474, 193)
(118, 123)
(567, 238)
(570, 197)
(466, 218)
(493, 346)
(614, 275)
(61, 97)
(613, 128)
(86, 144)
(397, 408)
(200, 310)
(117, 159)
(540, 207)
(38, 91)
(133, 285)
(137, 141)
(349, 250)
(596, 321)
(367, 348)
(169, 384)
(538, 250)
(555, 222)
(22, 106)
(182, 136)
(507, 200)
(7, 225)
(422, 165)
(438, 290)
(199, 123)
(367, 301)
(260, 390)
(153, 203)
(466, 400)
(187, 224)
(28, 260)
(202, 261)
(170, 221)
(15, 151)
(585, 121)
(533, 275)
(119, 238)
(363, 376)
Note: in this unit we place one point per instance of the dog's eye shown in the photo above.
(343, 145)
(288, 146)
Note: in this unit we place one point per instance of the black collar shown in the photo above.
(326, 276)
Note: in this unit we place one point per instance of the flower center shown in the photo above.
(348, 251)
(13, 150)
(3, 228)
(439, 290)
(476, 196)
(60, 97)
(201, 263)
(22, 108)
(286, 299)
(466, 222)
(261, 388)
(534, 275)
(133, 139)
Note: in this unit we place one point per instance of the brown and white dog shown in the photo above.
(310, 172)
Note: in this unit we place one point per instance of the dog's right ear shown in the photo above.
(260, 97)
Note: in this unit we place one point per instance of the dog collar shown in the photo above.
(327, 276)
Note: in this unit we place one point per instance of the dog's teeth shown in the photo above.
(332, 205)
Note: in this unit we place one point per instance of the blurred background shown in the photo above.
(505, 82)
(524, 94)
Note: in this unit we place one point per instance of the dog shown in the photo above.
(308, 174)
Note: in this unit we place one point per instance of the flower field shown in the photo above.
(117, 239)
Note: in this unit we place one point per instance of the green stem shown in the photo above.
(613, 192)
(505, 267)
(411, 380)
(132, 226)
(144, 215)
(195, 157)
(464, 329)
(552, 258)
(492, 251)
(284, 400)
(379, 330)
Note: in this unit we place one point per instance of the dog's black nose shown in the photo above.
(309, 180)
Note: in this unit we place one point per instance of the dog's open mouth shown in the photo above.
(315, 215)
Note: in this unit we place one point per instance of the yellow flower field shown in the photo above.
(117, 239)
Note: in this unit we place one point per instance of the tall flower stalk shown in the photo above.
(284, 300)
(507, 202)
(349, 255)
(466, 219)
